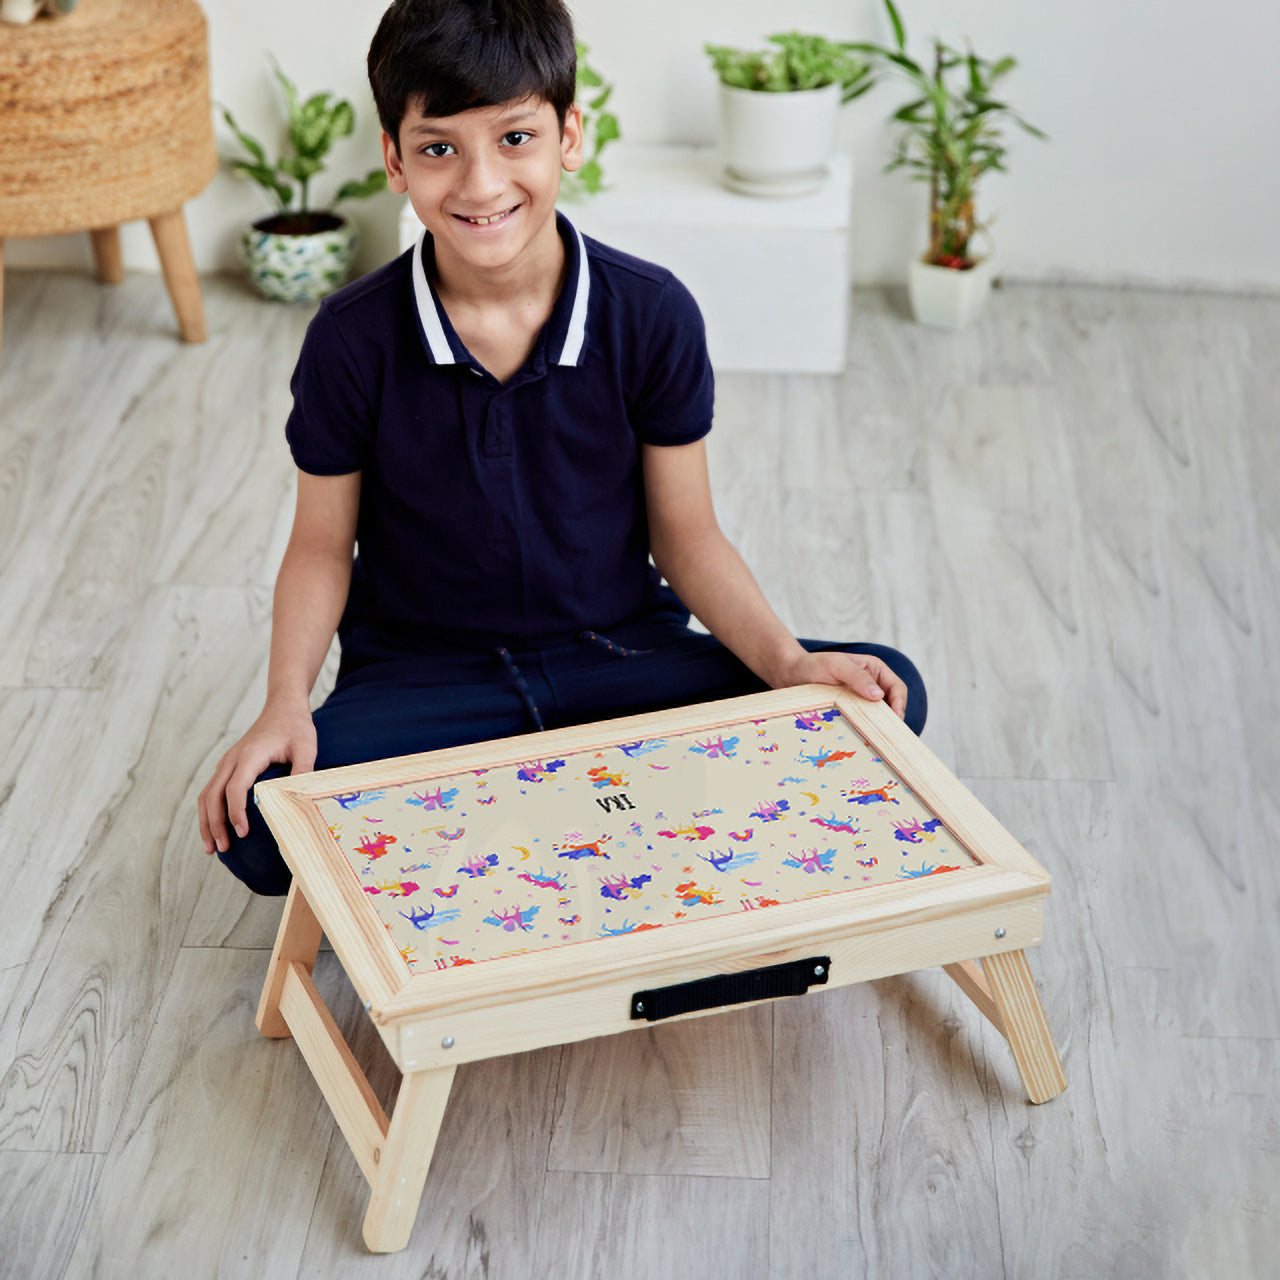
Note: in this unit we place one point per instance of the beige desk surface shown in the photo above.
(643, 835)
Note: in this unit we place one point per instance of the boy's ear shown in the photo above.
(395, 169)
(571, 140)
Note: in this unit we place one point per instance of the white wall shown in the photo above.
(1165, 124)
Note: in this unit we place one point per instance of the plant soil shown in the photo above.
(952, 262)
(299, 224)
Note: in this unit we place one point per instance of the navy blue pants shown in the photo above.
(387, 702)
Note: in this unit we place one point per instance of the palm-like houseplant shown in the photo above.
(950, 135)
(300, 253)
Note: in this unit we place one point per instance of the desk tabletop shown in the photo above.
(547, 852)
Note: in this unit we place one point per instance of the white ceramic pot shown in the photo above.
(946, 298)
(298, 268)
(777, 144)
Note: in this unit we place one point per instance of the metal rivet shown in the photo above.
(447, 1042)
(1000, 932)
(818, 971)
(639, 1006)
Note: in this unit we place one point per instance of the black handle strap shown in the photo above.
(792, 979)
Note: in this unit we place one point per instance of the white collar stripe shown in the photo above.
(571, 352)
(441, 352)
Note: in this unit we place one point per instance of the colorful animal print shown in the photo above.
(649, 834)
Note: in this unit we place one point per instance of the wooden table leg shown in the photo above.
(297, 941)
(107, 255)
(394, 1155)
(1013, 992)
(1005, 992)
(169, 231)
(969, 977)
(406, 1157)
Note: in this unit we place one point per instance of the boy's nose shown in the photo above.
(482, 181)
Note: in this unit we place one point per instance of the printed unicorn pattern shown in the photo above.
(641, 835)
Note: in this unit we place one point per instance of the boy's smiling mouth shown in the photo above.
(489, 220)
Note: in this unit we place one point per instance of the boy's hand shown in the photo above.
(278, 736)
(867, 676)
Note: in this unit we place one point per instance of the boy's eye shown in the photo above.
(437, 149)
(516, 138)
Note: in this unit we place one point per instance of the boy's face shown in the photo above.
(484, 182)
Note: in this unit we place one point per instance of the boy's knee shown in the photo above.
(257, 863)
(917, 696)
(254, 859)
(917, 705)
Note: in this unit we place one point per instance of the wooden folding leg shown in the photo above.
(972, 981)
(297, 941)
(1003, 989)
(394, 1155)
(405, 1158)
(345, 1087)
(1014, 991)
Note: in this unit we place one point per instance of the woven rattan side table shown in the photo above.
(105, 118)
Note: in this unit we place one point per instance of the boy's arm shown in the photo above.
(311, 591)
(714, 583)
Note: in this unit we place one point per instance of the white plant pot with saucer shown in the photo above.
(777, 144)
(946, 298)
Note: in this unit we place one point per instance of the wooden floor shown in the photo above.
(1069, 516)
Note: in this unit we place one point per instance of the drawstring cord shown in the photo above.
(522, 685)
(621, 651)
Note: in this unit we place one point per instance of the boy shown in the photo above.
(503, 424)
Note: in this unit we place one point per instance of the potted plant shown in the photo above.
(301, 254)
(950, 136)
(778, 110)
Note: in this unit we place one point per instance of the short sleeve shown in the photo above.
(677, 388)
(330, 427)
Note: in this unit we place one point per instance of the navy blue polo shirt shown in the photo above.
(498, 512)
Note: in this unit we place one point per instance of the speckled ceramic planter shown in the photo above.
(297, 268)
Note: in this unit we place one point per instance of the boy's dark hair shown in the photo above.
(452, 55)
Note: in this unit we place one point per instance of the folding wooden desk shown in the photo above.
(552, 887)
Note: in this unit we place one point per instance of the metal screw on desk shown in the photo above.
(1000, 932)
(639, 1006)
(818, 971)
(447, 1042)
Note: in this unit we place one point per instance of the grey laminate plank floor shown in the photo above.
(1069, 516)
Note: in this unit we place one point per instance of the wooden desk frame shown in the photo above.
(976, 922)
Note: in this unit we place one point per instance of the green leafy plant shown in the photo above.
(314, 125)
(951, 134)
(798, 62)
(599, 128)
